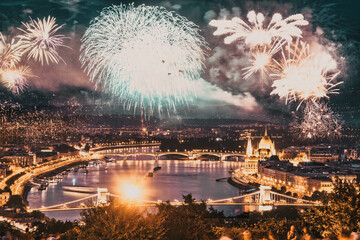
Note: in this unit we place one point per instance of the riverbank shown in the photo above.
(240, 184)
(18, 187)
(51, 173)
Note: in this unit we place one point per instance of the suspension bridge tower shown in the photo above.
(265, 197)
(102, 196)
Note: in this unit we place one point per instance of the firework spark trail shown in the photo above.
(10, 52)
(303, 76)
(256, 33)
(318, 121)
(15, 79)
(40, 42)
(145, 56)
(262, 60)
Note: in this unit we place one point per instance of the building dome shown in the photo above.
(266, 146)
(265, 143)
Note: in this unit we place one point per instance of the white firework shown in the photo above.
(256, 33)
(144, 56)
(10, 52)
(262, 60)
(318, 121)
(304, 76)
(15, 79)
(40, 41)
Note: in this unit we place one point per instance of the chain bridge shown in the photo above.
(263, 197)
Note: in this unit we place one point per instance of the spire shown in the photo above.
(249, 150)
(273, 150)
(265, 131)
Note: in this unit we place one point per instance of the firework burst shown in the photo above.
(40, 41)
(15, 79)
(318, 121)
(303, 76)
(144, 56)
(256, 33)
(10, 52)
(262, 60)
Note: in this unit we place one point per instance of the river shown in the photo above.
(176, 178)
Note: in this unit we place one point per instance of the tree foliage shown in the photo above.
(51, 226)
(191, 220)
(16, 201)
(340, 212)
(118, 221)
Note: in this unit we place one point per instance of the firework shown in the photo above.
(262, 60)
(15, 79)
(144, 56)
(319, 121)
(255, 33)
(10, 52)
(303, 76)
(40, 41)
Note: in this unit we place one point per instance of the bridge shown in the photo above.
(153, 149)
(263, 197)
(190, 155)
(125, 145)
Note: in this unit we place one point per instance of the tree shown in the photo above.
(6, 227)
(38, 215)
(87, 147)
(16, 201)
(189, 221)
(340, 211)
(118, 221)
(318, 196)
(51, 226)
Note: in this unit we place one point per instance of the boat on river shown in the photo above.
(157, 168)
(80, 189)
(42, 187)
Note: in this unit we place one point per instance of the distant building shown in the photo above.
(251, 165)
(3, 169)
(265, 149)
(21, 159)
(295, 182)
(4, 198)
(295, 155)
(344, 178)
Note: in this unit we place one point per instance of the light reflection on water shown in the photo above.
(176, 178)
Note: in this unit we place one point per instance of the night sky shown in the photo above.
(223, 95)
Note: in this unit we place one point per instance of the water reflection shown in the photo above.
(176, 178)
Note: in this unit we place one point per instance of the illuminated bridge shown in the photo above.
(191, 155)
(153, 149)
(263, 197)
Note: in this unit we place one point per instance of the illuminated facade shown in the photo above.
(266, 148)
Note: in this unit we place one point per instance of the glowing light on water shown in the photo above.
(256, 33)
(303, 76)
(40, 41)
(144, 56)
(131, 191)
